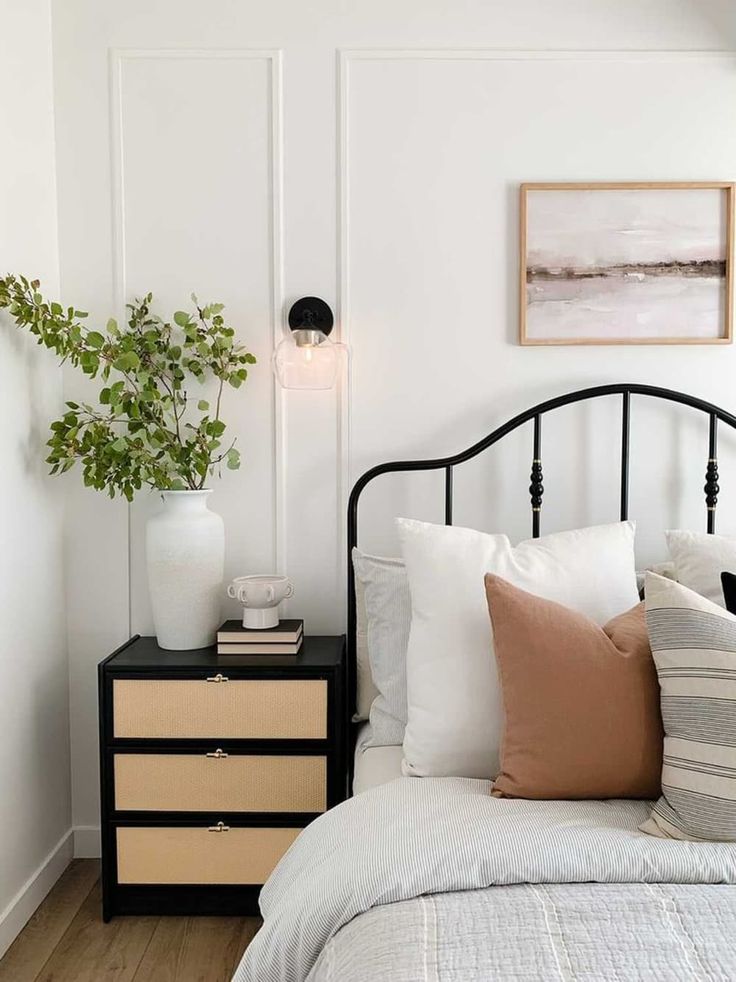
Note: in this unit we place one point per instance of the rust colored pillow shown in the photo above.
(581, 701)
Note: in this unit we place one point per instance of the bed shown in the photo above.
(434, 879)
(373, 765)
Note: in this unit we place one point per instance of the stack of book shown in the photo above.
(283, 640)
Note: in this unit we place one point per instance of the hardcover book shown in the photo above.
(286, 632)
(259, 648)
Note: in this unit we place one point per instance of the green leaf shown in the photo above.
(126, 361)
(181, 318)
(233, 459)
(95, 339)
(203, 405)
(112, 327)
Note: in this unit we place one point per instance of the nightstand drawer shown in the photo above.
(289, 709)
(223, 783)
(148, 855)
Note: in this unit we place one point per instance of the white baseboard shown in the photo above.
(86, 841)
(15, 916)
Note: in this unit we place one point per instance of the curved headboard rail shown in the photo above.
(536, 488)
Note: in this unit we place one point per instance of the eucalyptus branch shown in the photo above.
(219, 399)
(144, 366)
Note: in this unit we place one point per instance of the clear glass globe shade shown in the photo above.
(307, 359)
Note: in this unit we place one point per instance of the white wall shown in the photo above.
(35, 810)
(256, 152)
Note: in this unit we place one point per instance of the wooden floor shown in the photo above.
(66, 941)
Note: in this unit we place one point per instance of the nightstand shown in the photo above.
(210, 767)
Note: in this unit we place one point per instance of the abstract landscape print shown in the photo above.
(626, 263)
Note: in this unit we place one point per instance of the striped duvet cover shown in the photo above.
(378, 887)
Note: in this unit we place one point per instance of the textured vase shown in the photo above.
(185, 554)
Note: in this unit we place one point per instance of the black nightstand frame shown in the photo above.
(321, 657)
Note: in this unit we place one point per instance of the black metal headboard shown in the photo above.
(536, 488)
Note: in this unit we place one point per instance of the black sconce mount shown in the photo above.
(311, 314)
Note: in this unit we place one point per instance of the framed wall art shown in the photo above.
(626, 263)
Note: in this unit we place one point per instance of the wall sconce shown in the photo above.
(307, 359)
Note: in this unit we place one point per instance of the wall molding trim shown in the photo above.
(274, 58)
(16, 915)
(87, 842)
(533, 54)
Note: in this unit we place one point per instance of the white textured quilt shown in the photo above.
(597, 932)
(433, 836)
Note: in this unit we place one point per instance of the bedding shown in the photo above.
(404, 843)
(384, 588)
(374, 765)
(454, 711)
(366, 690)
(699, 560)
(581, 702)
(541, 933)
(694, 647)
(663, 569)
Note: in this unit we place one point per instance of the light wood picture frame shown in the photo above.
(627, 263)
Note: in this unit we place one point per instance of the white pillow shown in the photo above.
(366, 690)
(454, 711)
(661, 569)
(700, 559)
(385, 589)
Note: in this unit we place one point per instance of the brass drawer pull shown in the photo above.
(220, 827)
(217, 678)
(218, 754)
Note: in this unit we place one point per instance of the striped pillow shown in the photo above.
(694, 645)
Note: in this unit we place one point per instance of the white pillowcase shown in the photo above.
(365, 687)
(454, 706)
(700, 559)
(384, 586)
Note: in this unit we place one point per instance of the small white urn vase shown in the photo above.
(185, 554)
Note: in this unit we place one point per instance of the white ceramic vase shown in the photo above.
(185, 554)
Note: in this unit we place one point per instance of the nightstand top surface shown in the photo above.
(143, 654)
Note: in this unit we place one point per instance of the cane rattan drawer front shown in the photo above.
(248, 709)
(221, 855)
(220, 782)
